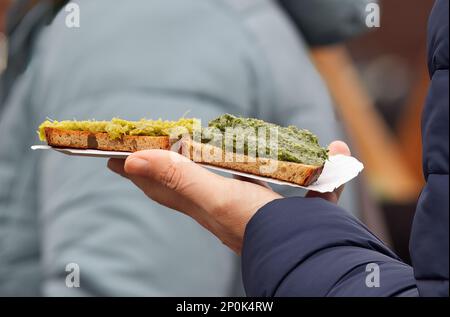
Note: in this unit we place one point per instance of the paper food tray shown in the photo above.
(338, 170)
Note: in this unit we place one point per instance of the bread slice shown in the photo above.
(102, 141)
(296, 173)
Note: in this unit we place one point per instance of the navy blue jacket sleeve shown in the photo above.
(429, 239)
(310, 247)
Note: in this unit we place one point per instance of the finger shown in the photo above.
(338, 147)
(335, 148)
(252, 180)
(117, 166)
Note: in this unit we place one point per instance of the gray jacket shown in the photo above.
(151, 59)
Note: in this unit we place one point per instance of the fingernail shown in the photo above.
(111, 165)
(136, 165)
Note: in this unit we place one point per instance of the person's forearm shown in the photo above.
(309, 247)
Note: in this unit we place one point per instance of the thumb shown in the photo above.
(164, 167)
(174, 180)
(335, 148)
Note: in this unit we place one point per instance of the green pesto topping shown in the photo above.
(294, 145)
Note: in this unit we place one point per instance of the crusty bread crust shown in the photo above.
(101, 141)
(296, 173)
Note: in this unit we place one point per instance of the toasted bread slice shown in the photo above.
(102, 141)
(296, 173)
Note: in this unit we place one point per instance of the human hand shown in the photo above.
(222, 205)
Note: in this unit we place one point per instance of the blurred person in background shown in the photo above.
(154, 59)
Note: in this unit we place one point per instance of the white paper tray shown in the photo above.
(338, 170)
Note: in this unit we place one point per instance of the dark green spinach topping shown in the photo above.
(257, 137)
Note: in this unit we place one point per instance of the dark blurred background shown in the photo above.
(381, 103)
(392, 63)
